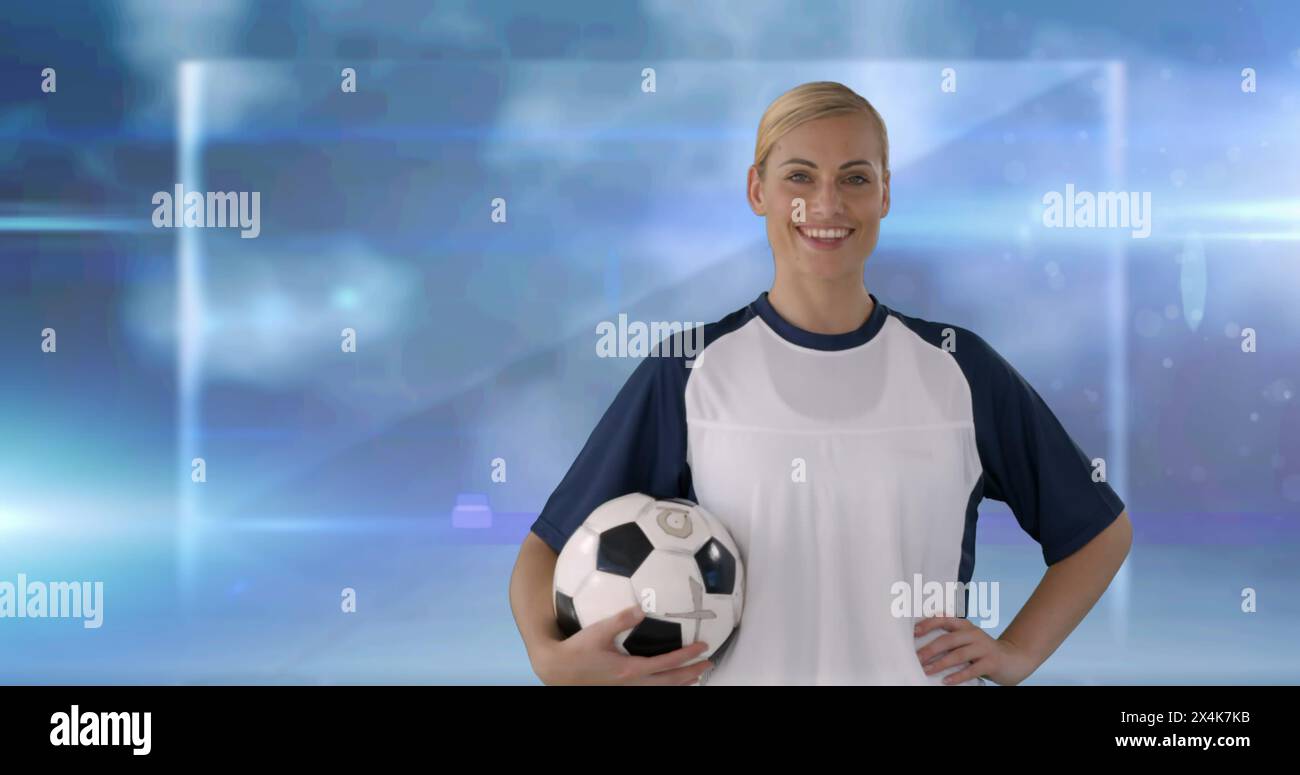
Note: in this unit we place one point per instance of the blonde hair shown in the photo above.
(809, 101)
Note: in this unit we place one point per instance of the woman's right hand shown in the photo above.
(589, 657)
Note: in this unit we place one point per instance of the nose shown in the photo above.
(826, 200)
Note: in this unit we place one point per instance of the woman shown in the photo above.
(846, 447)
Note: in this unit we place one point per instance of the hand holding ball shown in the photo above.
(671, 557)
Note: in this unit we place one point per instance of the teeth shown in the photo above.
(825, 233)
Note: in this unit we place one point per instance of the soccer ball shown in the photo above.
(671, 557)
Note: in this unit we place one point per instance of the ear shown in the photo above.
(754, 192)
(884, 210)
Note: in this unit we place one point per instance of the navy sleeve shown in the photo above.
(639, 445)
(1030, 462)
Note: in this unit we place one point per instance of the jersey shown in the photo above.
(842, 465)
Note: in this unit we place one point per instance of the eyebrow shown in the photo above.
(843, 166)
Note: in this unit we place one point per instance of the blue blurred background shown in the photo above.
(475, 340)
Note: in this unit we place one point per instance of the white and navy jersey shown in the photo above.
(842, 464)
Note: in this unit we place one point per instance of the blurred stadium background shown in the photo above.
(476, 340)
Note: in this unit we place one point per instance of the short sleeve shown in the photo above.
(639, 445)
(1030, 462)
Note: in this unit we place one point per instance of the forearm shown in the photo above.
(530, 596)
(1069, 589)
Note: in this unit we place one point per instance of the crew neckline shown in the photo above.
(812, 340)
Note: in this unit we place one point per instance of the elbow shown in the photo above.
(1107, 549)
(1119, 539)
(1126, 531)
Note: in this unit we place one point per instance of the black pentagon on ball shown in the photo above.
(566, 614)
(717, 567)
(653, 637)
(623, 549)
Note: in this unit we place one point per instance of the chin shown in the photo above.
(827, 267)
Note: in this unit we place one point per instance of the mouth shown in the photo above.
(824, 239)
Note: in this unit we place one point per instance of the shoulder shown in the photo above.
(680, 345)
(979, 360)
(733, 321)
(944, 335)
(673, 349)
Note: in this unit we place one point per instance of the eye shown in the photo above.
(795, 175)
(859, 177)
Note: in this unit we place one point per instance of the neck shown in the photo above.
(821, 307)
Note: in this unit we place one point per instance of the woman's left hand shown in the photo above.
(1000, 661)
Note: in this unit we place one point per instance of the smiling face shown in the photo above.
(834, 165)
